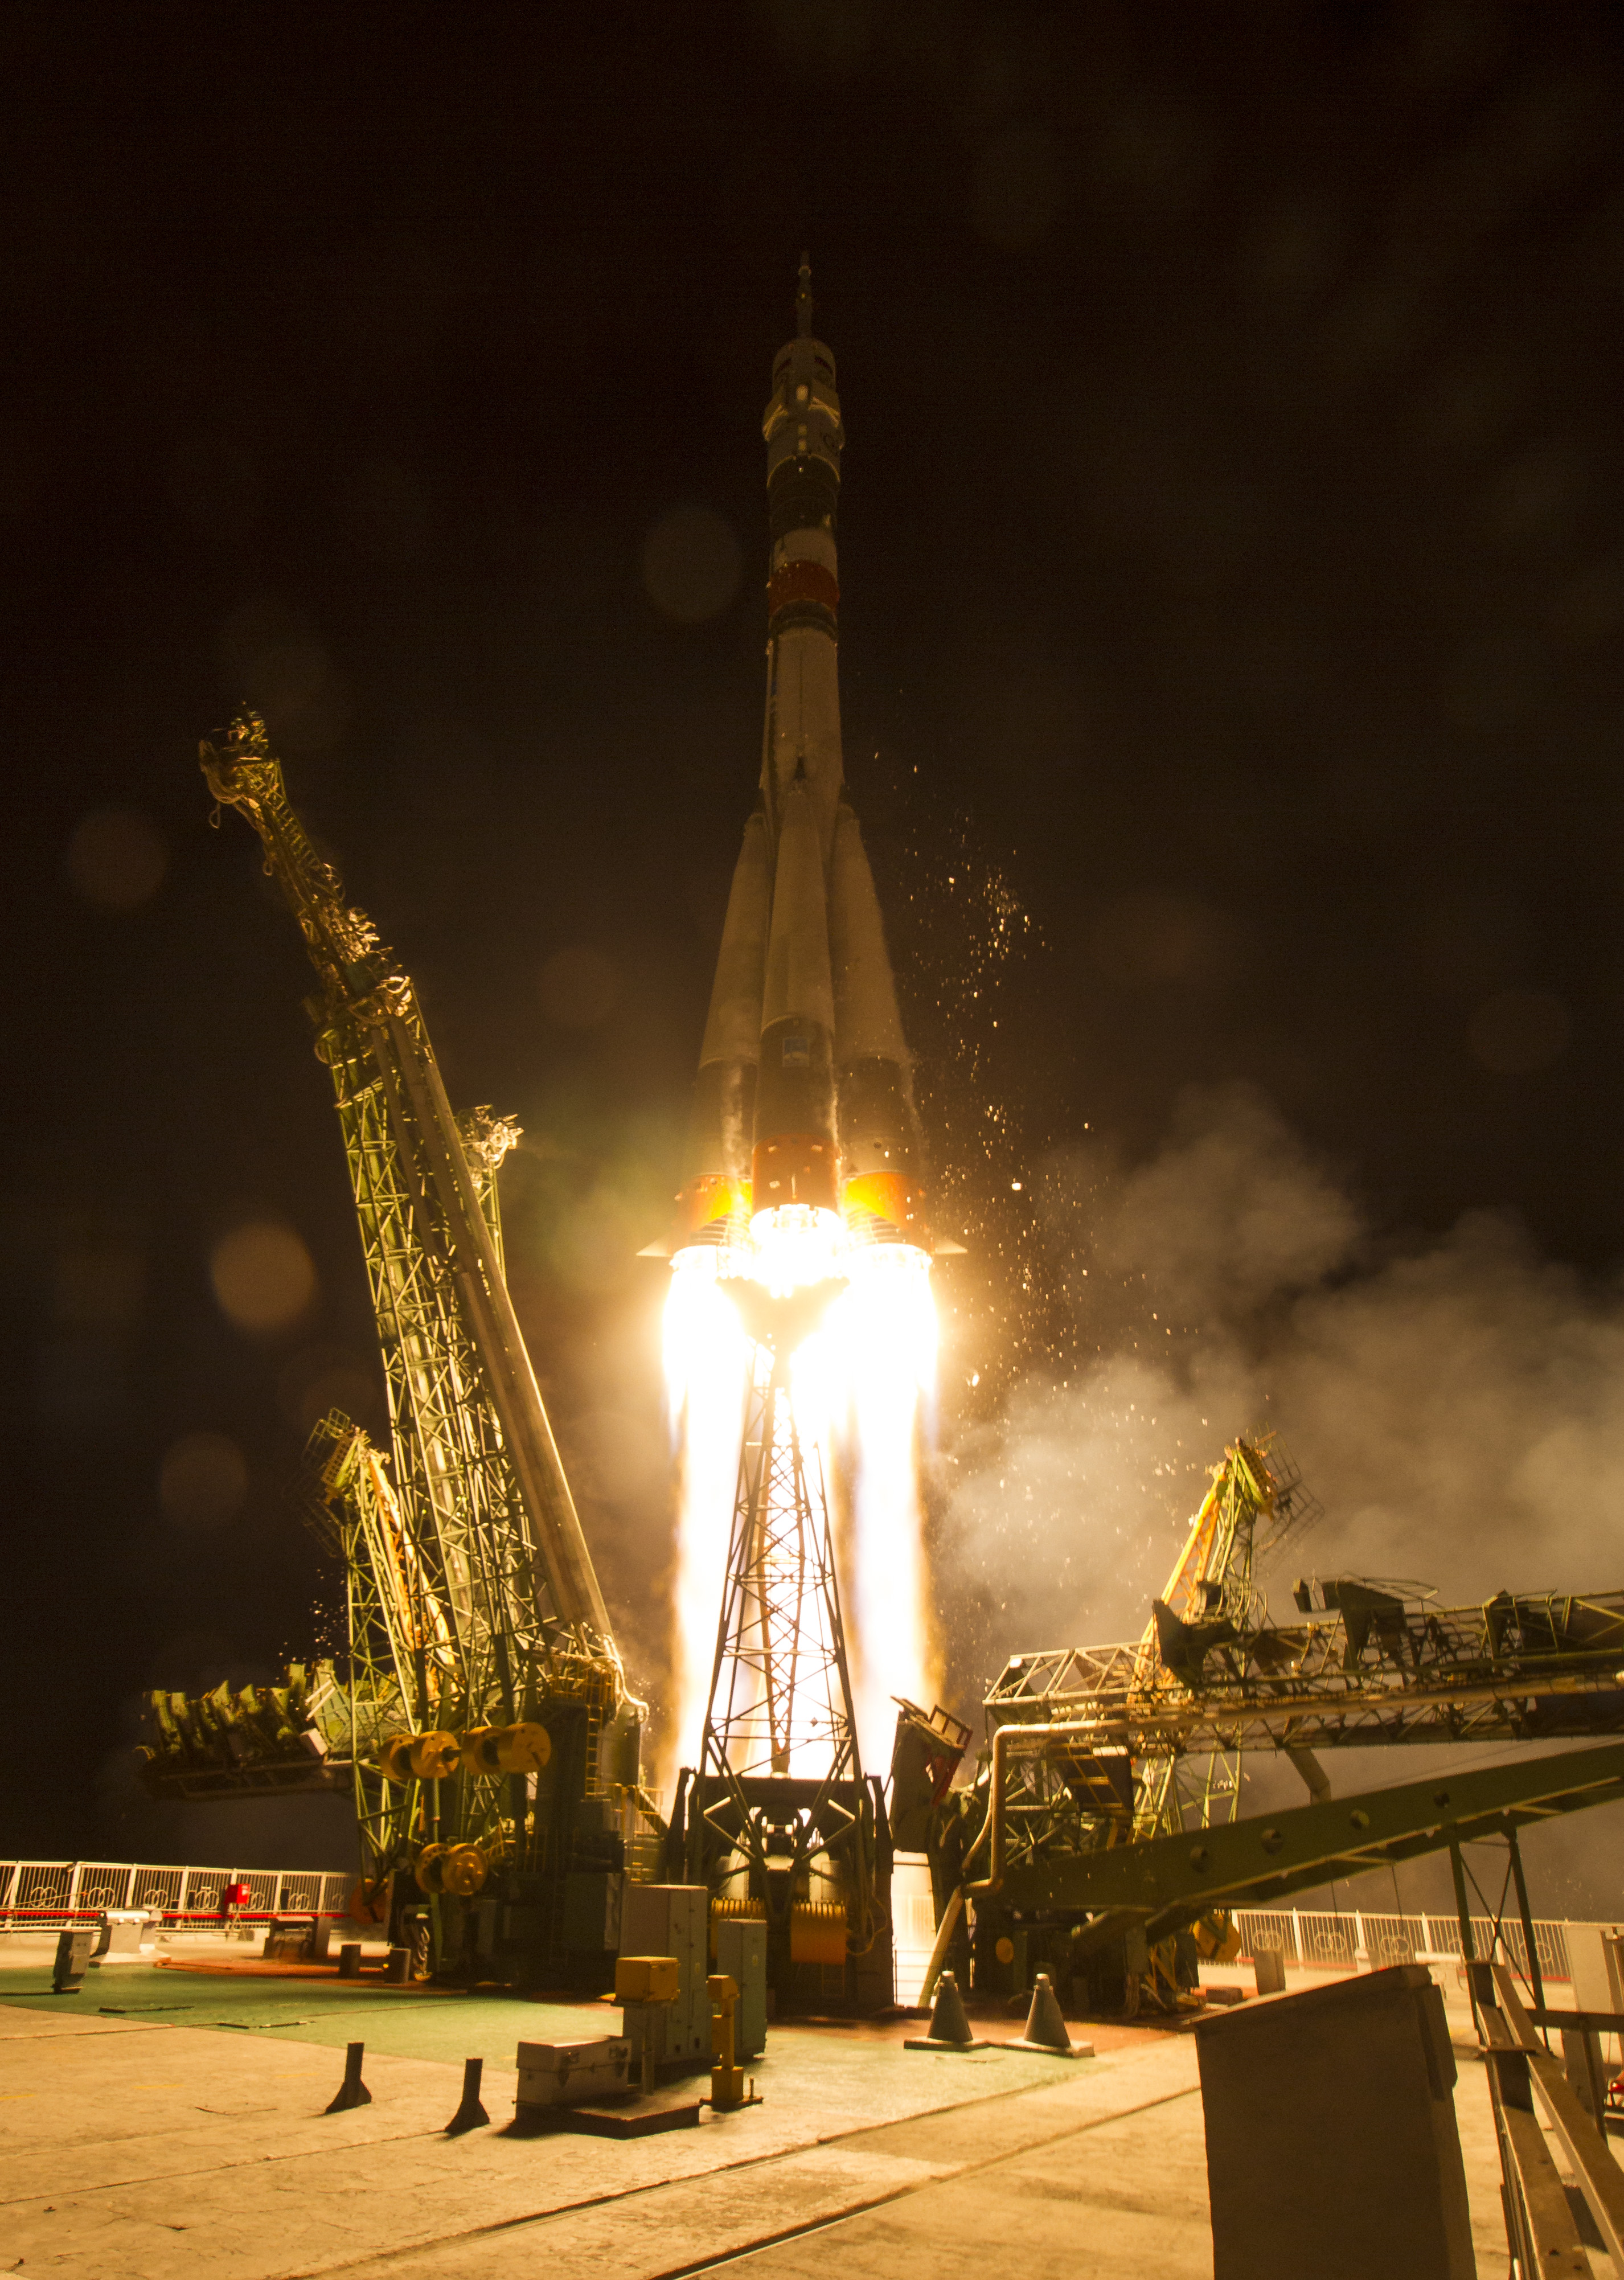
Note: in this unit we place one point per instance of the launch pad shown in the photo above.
(481, 1718)
(221, 2164)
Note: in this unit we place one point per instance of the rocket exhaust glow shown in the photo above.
(804, 1156)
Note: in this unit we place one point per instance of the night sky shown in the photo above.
(1231, 553)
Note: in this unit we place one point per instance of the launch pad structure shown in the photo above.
(778, 1809)
(481, 1720)
(482, 1723)
(1099, 1839)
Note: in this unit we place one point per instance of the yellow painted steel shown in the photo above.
(818, 1933)
(434, 1756)
(647, 1979)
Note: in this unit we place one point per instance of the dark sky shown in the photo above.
(1232, 566)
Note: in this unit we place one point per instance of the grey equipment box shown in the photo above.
(573, 2074)
(72, 1961)
(1332, 2148)
(122, 1931)
(742, 1953)
(671, 1920)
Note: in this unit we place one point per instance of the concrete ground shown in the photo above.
(169, 2121)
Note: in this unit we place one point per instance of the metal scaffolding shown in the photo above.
(778, 1817)
(479, 1646)
(781, 1697)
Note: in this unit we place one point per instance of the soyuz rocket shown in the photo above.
(803, 1102)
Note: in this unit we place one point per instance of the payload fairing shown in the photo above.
(804, 1106)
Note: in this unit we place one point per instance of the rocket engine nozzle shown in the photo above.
(886, 1206)
(712, 1207)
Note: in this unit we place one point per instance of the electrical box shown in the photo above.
(122, 1931)
(647, 1979)
(287, 1940)
(671, 1920)
(742, 1953)
(1331, 2141)
(74, 1960)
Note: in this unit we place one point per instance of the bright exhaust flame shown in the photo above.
(884, 1332)
(707, 1362)
(861, 1385)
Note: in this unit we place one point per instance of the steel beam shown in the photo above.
(1168, 1881)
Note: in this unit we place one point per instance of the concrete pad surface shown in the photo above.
(137, 2149)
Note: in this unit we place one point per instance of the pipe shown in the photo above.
(1013, 1736)
(994, 1822)
(944, 1940)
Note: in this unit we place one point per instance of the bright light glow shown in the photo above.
(795, 1245)
(862, 1384)
(707, 1363)
(884, 1331)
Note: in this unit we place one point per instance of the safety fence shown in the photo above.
(1354, 1941)
(46, 1895)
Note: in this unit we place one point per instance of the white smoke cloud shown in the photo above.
(1456, 1405)
(1458, 1408)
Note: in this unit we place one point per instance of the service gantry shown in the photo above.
(1073, 1844)
(482, 1717)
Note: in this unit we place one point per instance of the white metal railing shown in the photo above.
(45, 1895)
(1345, 1942)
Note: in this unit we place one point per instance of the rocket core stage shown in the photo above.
(803, 1105)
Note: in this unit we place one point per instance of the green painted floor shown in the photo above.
(413, 2023)
(811, 2064)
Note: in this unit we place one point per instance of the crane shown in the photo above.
(484, 1718)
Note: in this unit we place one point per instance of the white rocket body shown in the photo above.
(803, 1052)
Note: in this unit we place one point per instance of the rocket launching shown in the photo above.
(804, 1154)
(803, 1101)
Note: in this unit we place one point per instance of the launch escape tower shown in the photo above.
(803, 1136)
(483, 1719)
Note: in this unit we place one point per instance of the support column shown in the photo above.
(1535, 1980)
(1457, 1869)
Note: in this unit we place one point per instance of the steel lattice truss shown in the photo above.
(459, 1494)
(1160, 1725)
(781, 1699)
(1518, 1669)
(780, 1784)
(1523, 1666)
(470, 1590)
